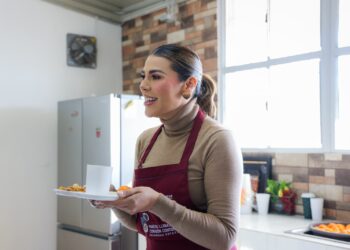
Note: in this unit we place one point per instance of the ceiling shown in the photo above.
(116, 11)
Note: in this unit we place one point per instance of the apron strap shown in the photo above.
(149, 147)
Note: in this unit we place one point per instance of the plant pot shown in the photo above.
(283, 205)
(277, 206)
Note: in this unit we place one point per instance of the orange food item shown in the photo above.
(122, 188)
(335, 228)
(74, 188)
(243, 196)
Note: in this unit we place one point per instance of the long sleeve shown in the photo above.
(222, 165)
(126, 219)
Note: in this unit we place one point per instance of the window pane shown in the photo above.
(246, 32)
(344, 23)
(294, 27)
(342, 124)
(294, 106)
(245, 107)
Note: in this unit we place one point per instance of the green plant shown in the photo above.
(277, 188)
(282, 193)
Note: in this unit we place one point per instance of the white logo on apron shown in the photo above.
(144, 219)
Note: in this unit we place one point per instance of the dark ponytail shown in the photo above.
(186, 63)
(206, 96)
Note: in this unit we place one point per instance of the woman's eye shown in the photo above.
(142, 76)
(156, 77)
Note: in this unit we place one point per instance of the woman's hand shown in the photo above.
(131, 201)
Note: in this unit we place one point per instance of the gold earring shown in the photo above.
(186, 95)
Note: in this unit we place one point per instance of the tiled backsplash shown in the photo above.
(326, 175)
(195, 26)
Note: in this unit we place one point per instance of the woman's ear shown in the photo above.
(191, 83)
(188, 87)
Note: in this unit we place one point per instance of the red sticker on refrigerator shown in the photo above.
(98, 132)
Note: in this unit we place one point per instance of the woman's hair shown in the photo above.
(185, 62)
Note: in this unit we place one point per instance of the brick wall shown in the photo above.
(195, 27)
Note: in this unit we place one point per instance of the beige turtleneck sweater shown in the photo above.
(214, 176)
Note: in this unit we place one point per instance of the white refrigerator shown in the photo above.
(99, 131)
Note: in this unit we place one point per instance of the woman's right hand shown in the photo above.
(131, 201)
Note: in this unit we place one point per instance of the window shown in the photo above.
(283, 68)
(342, 122)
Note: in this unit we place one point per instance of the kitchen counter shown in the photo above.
(279, 225)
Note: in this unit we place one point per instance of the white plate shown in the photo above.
(111, 196)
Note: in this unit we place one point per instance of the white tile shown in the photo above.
(328, 192)
(333, 157)
(204, 14)
(295, 160)
(329, 172)
(142, 48)
(285, 177)
(176, 36)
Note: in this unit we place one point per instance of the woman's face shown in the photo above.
(161, 88)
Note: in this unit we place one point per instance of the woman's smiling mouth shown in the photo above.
(150, 100)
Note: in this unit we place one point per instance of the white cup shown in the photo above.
(263, 201)
(98, 179)
(316, 208)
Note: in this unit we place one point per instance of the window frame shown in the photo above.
(328, 56)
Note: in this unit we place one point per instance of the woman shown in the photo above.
(188, 172)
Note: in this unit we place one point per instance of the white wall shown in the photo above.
(33, 77)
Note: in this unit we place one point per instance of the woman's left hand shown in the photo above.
(131, 201)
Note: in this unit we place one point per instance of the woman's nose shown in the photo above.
(144, 85)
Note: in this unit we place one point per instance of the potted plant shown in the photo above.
(283, 197)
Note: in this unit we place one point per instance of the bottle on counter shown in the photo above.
(246, 195)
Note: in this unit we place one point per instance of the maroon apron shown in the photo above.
(172, 181)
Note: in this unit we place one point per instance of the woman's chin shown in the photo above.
(150, 114)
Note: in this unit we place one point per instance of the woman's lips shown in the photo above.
(150, 100)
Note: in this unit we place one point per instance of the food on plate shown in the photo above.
(78, 188)
(122, 188)
(334, 228)
(75, 187)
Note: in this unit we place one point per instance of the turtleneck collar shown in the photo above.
(181, 121)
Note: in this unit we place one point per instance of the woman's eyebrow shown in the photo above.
(157, 71)
(154, 71)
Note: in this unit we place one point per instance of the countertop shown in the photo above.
(279, 225)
